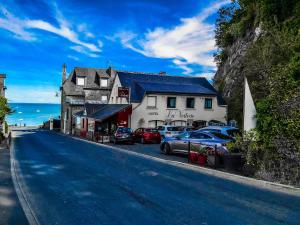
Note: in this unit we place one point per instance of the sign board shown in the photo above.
(123, 92)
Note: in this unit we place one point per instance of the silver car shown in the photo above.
(180, 143)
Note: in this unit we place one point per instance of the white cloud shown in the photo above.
(189, 43)
(32, 94)
(82, 50)
(23, 29)
(83, 28)
(73, 57)
(15, 25)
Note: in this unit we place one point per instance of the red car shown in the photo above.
(147, 135)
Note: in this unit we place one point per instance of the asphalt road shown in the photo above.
(68, 182)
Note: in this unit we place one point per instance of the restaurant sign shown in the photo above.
(123, 92)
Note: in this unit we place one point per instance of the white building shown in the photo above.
(159, 99)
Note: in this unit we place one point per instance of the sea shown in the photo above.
(32, 114)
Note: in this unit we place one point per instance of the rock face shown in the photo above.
(229, 78)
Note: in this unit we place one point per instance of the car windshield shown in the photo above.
(152, 130)
(234, 132)
(173, 128)
(124, 130)
(160, 128)
(221, 136)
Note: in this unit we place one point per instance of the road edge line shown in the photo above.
(29, 213)
(261, 184)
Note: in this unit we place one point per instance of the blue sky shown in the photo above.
(37, 37)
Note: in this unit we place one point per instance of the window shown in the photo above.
(103, 82)
(80, 81)
(104, 98)
(171, 102)
(151, 101)
(208, 103)
(190, 103)
(196, 135)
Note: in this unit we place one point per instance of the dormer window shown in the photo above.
(103, 82)
(80, 81)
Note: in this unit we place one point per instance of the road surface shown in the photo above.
(68, 182)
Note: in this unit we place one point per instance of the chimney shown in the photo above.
(110, 71)
(64, 73)
(162, 73)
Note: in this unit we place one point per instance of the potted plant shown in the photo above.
(201, 152)
(193, 154)
(233, 160)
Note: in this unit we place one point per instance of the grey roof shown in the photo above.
(141, 84)
(102, 111)
(92, 76)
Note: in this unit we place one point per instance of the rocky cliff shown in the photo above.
(229, 78)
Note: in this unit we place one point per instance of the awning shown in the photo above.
(104, 111)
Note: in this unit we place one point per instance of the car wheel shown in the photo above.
(166, 149)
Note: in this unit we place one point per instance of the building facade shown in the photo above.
(158, 99)
(83, 85)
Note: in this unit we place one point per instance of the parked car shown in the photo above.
(122, 134)
(168, 131)
(147, 135)
(226, 130)
(185, 129)
(180, 143)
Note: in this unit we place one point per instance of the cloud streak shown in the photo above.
(23, 29)
(191, 42)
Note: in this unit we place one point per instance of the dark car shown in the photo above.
(147, 135)
(122, 134)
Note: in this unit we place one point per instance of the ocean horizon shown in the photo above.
(32, 114)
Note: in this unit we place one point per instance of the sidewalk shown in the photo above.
(11, 212)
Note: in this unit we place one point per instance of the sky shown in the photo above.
(37, 37)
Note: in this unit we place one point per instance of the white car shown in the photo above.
(169, 131)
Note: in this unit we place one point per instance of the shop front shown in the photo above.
(102, 123)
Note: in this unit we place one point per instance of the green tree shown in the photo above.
(4, 108)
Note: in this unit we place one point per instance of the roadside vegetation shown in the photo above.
(4, 110)
(272, 67)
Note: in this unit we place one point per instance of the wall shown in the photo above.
(140, 111)
(143, 113)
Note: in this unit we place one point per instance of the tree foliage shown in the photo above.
(4, 108)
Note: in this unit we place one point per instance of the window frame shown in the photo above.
(80, 78)
(106, 98)
(150, 106)
(186, 103)
(205, 103)
(168, 106)
(104, 79)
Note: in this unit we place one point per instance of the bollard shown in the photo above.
(189, 151)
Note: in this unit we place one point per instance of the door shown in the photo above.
(181, 143)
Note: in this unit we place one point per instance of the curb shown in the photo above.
(29, 213)
(261, 184)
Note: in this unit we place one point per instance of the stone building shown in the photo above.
(83, 85)
(2, 85)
